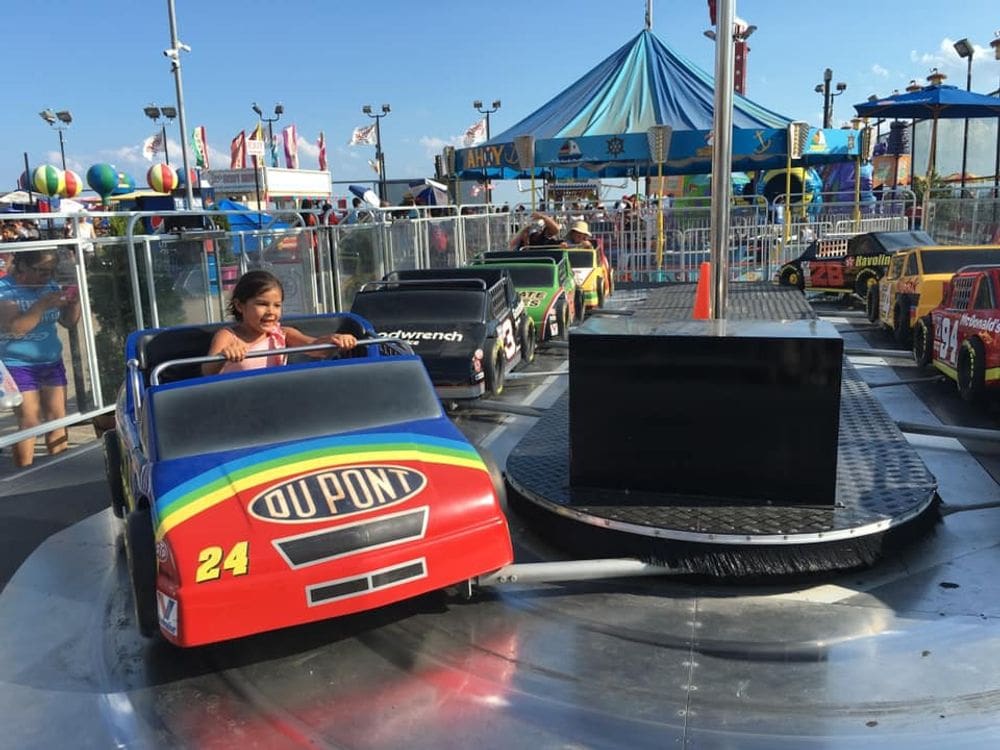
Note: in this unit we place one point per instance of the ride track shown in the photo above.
(901, 655)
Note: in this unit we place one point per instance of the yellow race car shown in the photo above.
(913, 285)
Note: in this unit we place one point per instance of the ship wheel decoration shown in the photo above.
(615, 145)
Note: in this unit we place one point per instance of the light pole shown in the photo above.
(824, 89)
(173, 53)
(278, 112)
(478, 104)
(995, 44)
(741, 32)
(379, 155)
(168, 114)
(60, 121)
(964, 49)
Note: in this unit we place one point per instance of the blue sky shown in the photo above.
(323, 59)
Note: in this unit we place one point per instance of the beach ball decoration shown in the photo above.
(48, 180)
(126, 184)
(72, 184)
(162, 178)
(181, 182)
(102, 178)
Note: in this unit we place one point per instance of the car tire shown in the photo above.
(528, 341)
(562, 322)
(140, 552)
(113, 472)
(864, 281)
(923, 342)
(496, 476)
(600, 292)
(971, 371)
(580, 306)
(495, 374)
(791, 276)
(871, 304)
(901, 330)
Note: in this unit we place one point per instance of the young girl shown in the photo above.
(256, 306)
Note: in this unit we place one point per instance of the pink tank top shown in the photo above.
(273, 340)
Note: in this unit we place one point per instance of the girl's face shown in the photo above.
(261, 314)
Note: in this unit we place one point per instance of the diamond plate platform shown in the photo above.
(882, 485)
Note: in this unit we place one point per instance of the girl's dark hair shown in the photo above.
(27, 258)
(250, 285)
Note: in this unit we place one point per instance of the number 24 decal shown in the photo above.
(211, 562)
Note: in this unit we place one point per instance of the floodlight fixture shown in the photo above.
(964, 48)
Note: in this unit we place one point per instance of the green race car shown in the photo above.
(547, 289)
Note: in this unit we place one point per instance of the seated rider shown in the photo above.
(579, 236)
(256, 306)
(542, 230)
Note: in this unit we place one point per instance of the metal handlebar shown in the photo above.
(154, 378)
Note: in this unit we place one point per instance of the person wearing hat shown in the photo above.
(579, 235)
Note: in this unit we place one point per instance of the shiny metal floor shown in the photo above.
(904, 655)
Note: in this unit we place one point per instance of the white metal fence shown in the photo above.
(143, 278)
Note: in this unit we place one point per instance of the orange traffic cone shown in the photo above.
(701, 293)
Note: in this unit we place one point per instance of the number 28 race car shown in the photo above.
(267, 498)
(467, 324)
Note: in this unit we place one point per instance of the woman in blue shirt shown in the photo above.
(31, 304)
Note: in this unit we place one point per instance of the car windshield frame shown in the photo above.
(947, 260)
(248, 409)
(427, 304)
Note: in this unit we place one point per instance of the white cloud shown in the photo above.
(308, 147)
(880, 71)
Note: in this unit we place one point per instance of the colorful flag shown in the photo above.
(274, 151)
(152, 145)
(291, 147)
(322, 150)
(256, 135)
(363, 135)
(238, 151)
(475, 134)
(200, 145)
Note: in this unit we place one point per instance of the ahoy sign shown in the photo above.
(334, 492)
(484, 157)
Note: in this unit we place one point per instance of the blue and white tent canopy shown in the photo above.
(597, 126)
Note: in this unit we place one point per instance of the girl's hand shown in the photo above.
(234, 351)
(51, 299)
(342, 340)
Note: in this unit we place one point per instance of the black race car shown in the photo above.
(468, 324)
(848, 264)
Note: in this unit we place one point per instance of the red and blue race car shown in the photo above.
(961, 336)
(267, 498)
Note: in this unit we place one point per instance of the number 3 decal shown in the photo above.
(507, 336)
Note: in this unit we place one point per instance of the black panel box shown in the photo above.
(746, 410)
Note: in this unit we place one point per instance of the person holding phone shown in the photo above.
(31, 306)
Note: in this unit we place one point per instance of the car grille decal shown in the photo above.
(211, 488)
(323, 593)
(316, 547)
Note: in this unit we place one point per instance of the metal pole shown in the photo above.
(996, 164)
(380, 158)
(827, 99)
(722, 156)
(965, 135)
(176, 64)
(163, 132)
(27, 179)
(270, 144)
(62, 149)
